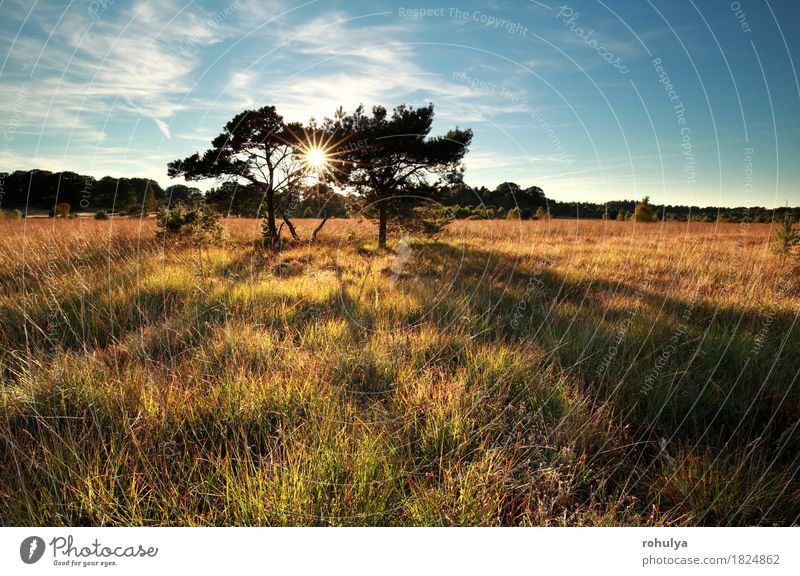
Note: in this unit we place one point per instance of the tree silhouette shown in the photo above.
(232, 198)
(644, 212)
(180, 193)
(257, 146)
(387, 156)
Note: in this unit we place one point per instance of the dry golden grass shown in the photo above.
(509, 373)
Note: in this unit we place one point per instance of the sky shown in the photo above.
(689, 102)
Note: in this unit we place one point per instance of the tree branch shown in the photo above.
(318, 228)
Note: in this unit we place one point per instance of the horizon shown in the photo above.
(217, 183)
(687, 103)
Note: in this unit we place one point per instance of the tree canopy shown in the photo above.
(386, 156)
(258, 148)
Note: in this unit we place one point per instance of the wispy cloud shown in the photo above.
(138, 60)
(350, 61)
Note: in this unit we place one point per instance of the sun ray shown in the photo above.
(322, 153)
(315, 158)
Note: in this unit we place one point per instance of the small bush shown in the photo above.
(644, 212)
(785, 237)
(136, 212)
(542, 214)
(513, 214)
(426, 220)
(101, 215)
(198, 222)
(463, 211)
(62, 210)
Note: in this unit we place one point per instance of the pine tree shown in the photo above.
(785, 237)
(644, 212)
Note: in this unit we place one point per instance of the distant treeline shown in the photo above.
(135, 195)
(42, 190)
(482, 202)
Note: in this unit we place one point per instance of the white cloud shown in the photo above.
(140, 60)
(350, 61)
(162, 126)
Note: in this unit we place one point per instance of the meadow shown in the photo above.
(542, 373)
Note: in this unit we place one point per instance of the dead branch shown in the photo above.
(318, 228)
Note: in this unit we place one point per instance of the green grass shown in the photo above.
(536, 373)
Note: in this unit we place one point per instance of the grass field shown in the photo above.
(511, 373)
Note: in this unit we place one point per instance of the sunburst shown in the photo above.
(321, 153)
(315, 159)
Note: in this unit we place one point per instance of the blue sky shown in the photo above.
(688, 102)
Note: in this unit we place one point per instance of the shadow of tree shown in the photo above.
(675, 367)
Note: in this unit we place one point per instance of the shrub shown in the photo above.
(513, 214)
(198, 222)
(62, 210)
(644, 212)
(14, 214)
(135, 212)
(432, 220)
(101, 215)
(785, 237)
(542, 214)
(463, 211)
(427, 220)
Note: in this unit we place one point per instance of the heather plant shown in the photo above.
(197, 222)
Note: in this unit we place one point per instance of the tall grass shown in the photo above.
(510, 373)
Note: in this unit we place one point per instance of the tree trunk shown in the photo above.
(291, 227)
(318, 228)
(382, 225)
(272, 230)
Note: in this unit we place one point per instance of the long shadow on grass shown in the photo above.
(717, 378)
(684, 369)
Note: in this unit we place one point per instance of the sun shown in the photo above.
(316, 159)
(318, 154)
